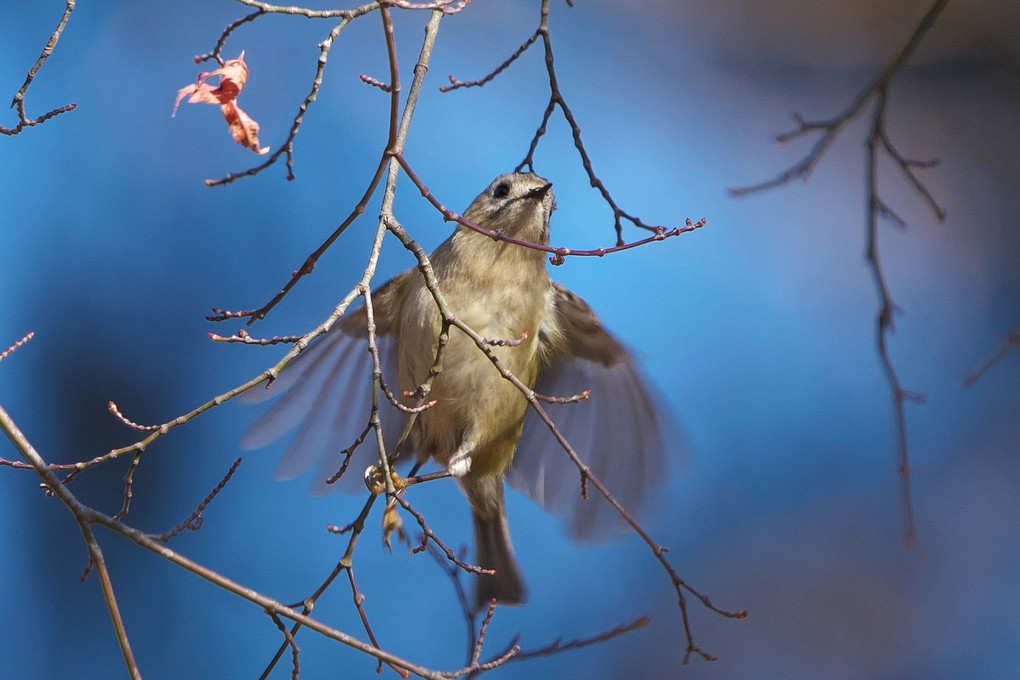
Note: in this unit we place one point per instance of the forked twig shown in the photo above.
(876, 91)
(679, 585)
(431, 536)
(556, 100)
(391, 162)
(557, 254)
(19, 97)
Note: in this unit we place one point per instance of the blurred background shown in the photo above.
(759, 330)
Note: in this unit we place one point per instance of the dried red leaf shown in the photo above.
(233, 75)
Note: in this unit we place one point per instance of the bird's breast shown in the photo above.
(473, 400)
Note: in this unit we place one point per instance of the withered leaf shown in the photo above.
(233, 75)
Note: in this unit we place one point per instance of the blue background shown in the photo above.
(759, 329)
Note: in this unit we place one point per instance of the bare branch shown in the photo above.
(430, 535)
(112, 407)
(310, 13)
(82, 516)
(242, 337)
(679, 585)
(10, 350)
(347, 453)
(474, 666)
(19, 97)
(516, 342)
(194, 521)
(369, 80)
(359, 601)
(288, 146)
(563, 400)
(87, 517)
(885, 319)
(558, 646)
(289, 641)
(831, 128)
(1011, 340)
(444, 6)
(907, 166)
(558, 254)
(878, 138)
(222, 41)
(129, 478)
(455, 84)
(556, 99)
(308, 604)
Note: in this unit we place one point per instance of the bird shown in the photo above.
(479, 428)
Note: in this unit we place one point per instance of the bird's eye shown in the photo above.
(502, 190)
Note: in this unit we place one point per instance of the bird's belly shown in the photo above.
(476, 409)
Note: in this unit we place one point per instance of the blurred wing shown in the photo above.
(618, 430)
(326, 393)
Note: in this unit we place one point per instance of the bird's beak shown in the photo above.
(540, 192)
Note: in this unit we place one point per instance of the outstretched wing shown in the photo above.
(326, 392)
(618, 431)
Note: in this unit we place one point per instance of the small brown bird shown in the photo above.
(479, 429)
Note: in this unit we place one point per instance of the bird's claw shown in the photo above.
(374, 480)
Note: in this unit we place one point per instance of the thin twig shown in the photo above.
(397, 135)
(885, 324)
(558, 254)
(310, 262)
(474, 667)
(831, 128)
(244, 338)
(216, 52)
(564, 400)
(10, 350)
(477, 654)
(907, 166)
(347, 453)
(455, 84)
(310, 13)
(129, 480)
(84, 517)
(444, 6)
(288, 146)
(396, 402)
(517, 342)
(359, 601)
(680, 586)
(289, 640)
(878, 91)
(557, 100)
(112, 408)
(430, 535)
(369, 80)
(308, 604)
(19, 97)
(1011, 340)
(558, 646)
(194, 521)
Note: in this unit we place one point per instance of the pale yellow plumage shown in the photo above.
(500, 290)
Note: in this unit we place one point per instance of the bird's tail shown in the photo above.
(494, 551)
